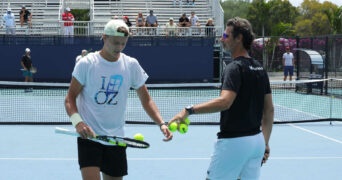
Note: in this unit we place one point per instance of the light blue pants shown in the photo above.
(237, 157)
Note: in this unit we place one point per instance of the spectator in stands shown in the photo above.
(9, 22)
(83, 53)
(152, 21)
(25, 16)
(175, 2)
(128, 23)
(140, 20)
(68, 19)
(170, 28)
(26, 64)
(194, 21)
(183, 23)
(209, 28)
(126, 19)
(190, 3)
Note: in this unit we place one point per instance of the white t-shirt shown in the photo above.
(170, 28)
(9, 20)
(288, 59)
(78, 58)
(102, 102)
(193, 20)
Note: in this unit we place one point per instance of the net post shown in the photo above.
(297, 57)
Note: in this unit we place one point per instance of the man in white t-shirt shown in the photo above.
(288, 63)
(170, 28)
(9, 22)
(195, 25)
(101, 82)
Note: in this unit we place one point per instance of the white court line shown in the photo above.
(317, 134)
(169, 159)
(296, 110)
(309, 131)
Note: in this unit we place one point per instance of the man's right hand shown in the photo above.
(84, 130)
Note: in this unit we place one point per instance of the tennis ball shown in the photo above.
(139, 137)
(173, 127)
(122, 144)
(183, 128)
(187, 121)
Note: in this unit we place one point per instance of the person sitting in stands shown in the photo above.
(128, 23)
(175, 2)
(195, 25)
(210, 28)
(139, 22)
(152, 21)
(25, 16)
(190, 3)
(170, 28)
(183, 23)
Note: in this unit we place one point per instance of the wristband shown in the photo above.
(75, 119)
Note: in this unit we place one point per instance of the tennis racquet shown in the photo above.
(33, 70)
(109, 140)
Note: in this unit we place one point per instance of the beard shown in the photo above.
(226, 48)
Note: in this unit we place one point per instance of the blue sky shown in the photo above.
(298, 2)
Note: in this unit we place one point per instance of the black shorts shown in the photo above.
(111, 160)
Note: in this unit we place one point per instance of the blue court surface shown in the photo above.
(298, 152)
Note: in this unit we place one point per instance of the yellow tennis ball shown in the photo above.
(183, 128)
(173, 127)
(139, 137)
(122, 144)
(187, 121)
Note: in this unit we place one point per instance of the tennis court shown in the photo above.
(297, 152)
(311, 150)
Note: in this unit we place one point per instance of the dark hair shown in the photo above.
(244, 27)
(123, 30)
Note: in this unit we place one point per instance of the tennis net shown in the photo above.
(295, 102)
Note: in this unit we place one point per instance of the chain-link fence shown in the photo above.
(269, 52)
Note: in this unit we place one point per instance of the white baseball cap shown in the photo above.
(9, 9)
(27, 50)
(111, 28)
(67, 9)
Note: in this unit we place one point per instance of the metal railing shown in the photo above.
(87, 28)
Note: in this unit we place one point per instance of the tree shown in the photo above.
(258, 15)
(313, 19)
(235, 8)
(334, 15)
(337, 21)
(282, 12)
